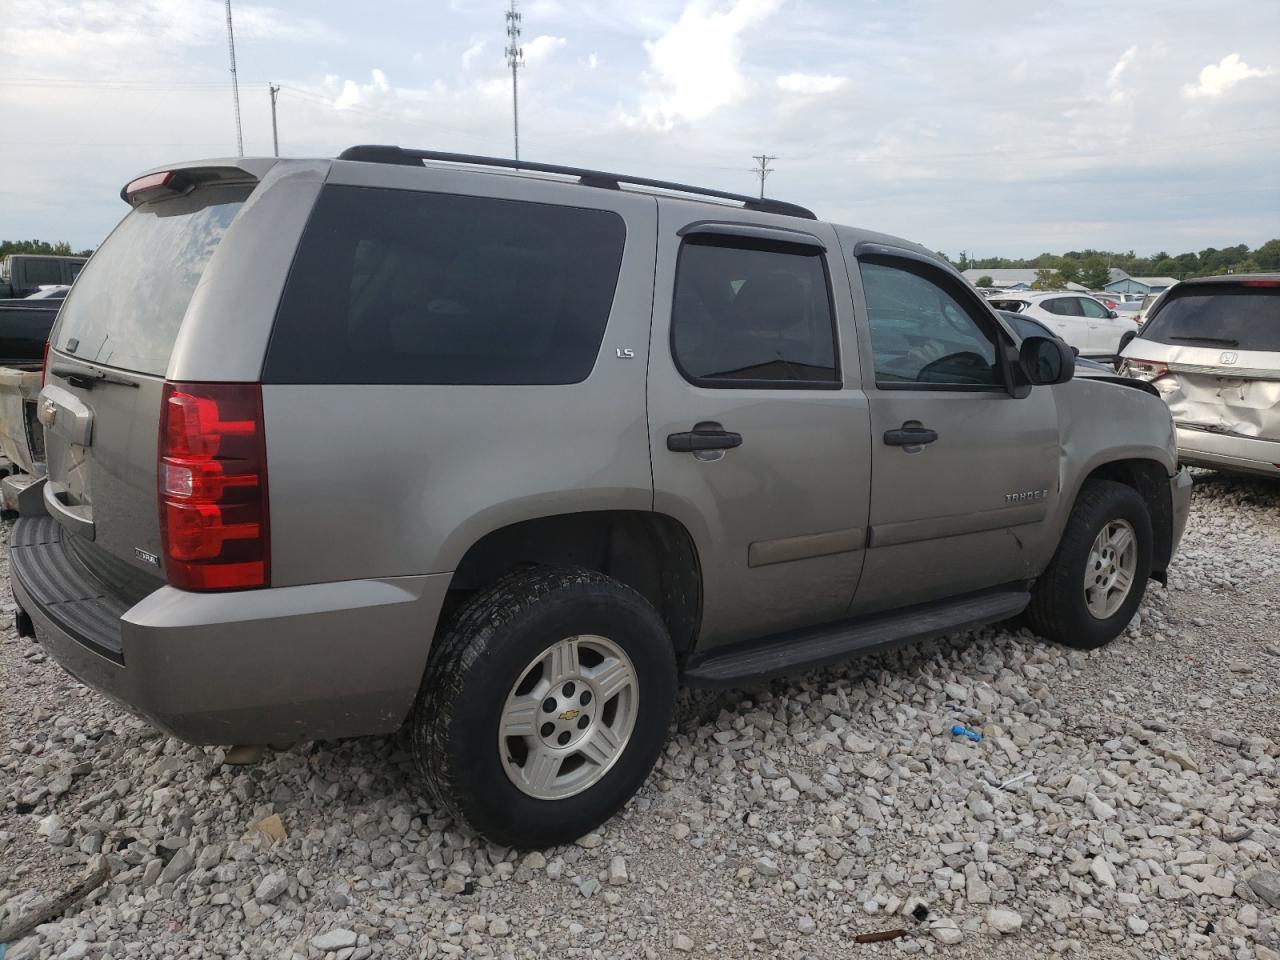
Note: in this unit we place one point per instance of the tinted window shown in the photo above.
(1063, 306)
(752, 312)
(1091, 308)
(1229, 316)
(43, 271)
(129, 300)
(921, 334)
(394, 286)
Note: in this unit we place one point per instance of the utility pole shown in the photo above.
(235, 82)
(764, 169)
(515, 59)
(274, 88)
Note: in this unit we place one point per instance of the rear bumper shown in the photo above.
(1220, 451)
(259, 666)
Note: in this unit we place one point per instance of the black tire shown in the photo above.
(1058, 609)
(479, 657)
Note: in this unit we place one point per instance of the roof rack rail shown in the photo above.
(377, 153)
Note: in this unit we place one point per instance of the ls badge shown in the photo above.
(626, 353)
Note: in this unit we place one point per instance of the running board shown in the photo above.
(798, 650)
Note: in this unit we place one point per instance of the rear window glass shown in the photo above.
(129, 301)
(1239, 317)
(393, 286)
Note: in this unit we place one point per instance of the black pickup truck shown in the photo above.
(24, 327)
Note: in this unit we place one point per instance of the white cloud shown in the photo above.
(540, 48)
(694, 66)
(1116, 77)
(352, 94)
(810, 84)
(1217, 78)
(471, 53)
(592, 61)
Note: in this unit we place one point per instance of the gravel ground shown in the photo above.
(1122, 803)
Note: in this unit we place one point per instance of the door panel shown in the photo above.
(779, 520)
(959, 512)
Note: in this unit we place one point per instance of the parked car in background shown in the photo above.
(1147, 304)
(1211, 346)
(24, 328)
(623, 439)
(1080, 320)
(22, 274)
(1023, 326)
(52, 291)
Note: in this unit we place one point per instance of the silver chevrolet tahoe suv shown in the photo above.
(505, 455)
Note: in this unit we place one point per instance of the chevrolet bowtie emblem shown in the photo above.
(569, 714)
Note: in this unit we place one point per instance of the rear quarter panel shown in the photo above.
(389, 480)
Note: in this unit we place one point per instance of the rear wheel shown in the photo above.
(1098, 575)
(544, 706)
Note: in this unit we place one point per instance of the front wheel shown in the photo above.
(544, 706)
(1098, 575)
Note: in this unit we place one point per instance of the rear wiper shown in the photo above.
(1222, 341)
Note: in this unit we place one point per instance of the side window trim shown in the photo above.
(968, 300)
(736, 239)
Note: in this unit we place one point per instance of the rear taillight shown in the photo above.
(213, 486)
(1260, 283)
(1145, 369)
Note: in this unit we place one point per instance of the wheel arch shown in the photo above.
(652, 553)
(1150, 478)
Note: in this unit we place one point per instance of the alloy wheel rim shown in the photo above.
(1111, 569)
(569, 717)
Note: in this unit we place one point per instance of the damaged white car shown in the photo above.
(1211, 346)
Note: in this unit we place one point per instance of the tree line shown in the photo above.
(59, 249)
(1090, 267)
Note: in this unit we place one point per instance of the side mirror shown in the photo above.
(1046, 361)
(1112, 314)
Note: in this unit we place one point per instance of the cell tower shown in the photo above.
(235, 81)
(515, 59)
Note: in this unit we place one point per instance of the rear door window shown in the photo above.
(1234, 316)
(753, 313)
(396, 286)
(129, 301)
(1063, 306)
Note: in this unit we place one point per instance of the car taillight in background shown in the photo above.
(44, 366)
(213, 486)
(1144, 369)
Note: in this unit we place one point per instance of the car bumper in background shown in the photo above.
(259, 666)
(1224, 451)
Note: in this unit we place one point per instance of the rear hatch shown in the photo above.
(108, 356)
(1212, 348)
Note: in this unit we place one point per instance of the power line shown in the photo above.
(515, 60)
(764, 169)
(235, 83)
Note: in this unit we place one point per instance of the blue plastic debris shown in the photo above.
(959, 730)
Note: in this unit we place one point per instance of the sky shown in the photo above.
(1000, 128)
